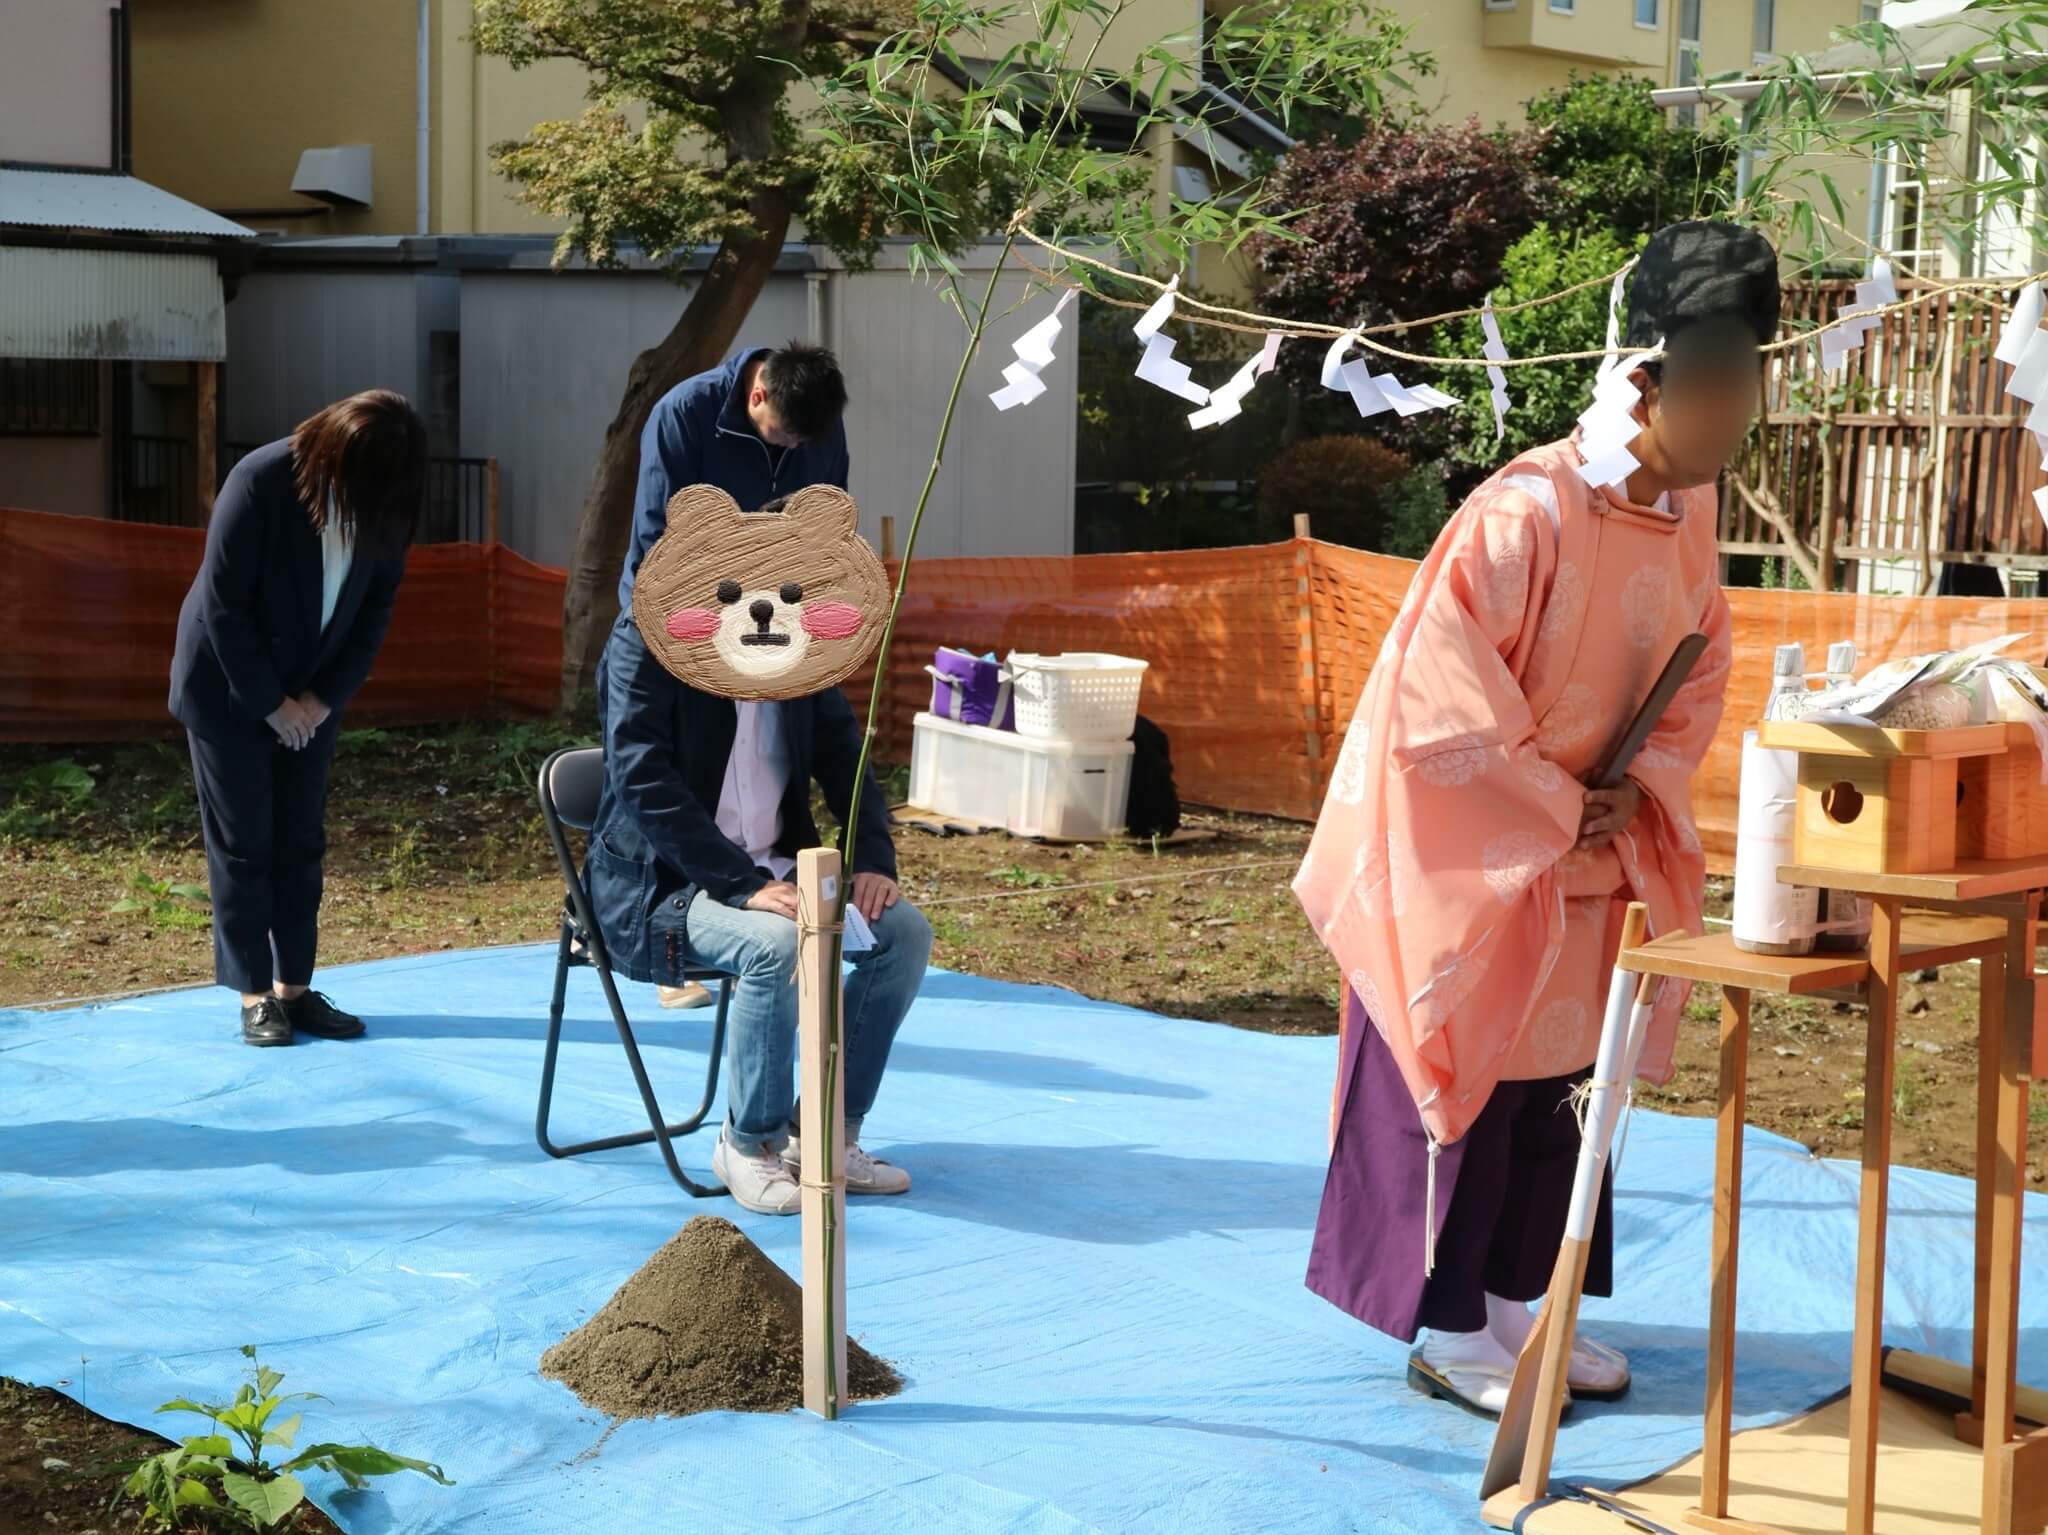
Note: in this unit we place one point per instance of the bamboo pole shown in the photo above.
(822, 1130)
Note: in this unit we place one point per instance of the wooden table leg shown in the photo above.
(2015, 1063)
(1990, 1049)
(1727, 1223)
(1867, 1360)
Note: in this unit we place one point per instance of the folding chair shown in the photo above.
(569, 784)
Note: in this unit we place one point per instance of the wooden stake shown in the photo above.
(1727, 1236)
(491, 500)
(1990, 1049)
(888, 539)
(205, 459)
(2002, 1297)
(822, 1130)
(1866, 1360)
(1309, 687)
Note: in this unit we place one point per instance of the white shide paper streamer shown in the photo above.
(1872, 294)
(1496, 351)
(1157, 365)
(1227, 400)
(1022, 384)
(1608, 426)
(1374, 393)
(2023, 345)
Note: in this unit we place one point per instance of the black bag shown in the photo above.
(1155, 803)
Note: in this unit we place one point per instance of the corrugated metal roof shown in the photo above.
(135, 306)
(38, 199)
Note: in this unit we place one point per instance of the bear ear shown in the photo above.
(829, 506)
(700, 506)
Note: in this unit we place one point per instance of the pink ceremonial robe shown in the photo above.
(1442, 875)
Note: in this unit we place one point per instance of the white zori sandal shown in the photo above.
(1473, 1370)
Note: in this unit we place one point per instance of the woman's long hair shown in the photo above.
(366, 458)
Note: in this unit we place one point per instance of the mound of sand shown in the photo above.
(709, 1323)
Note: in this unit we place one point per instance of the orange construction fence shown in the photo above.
(1257, 655)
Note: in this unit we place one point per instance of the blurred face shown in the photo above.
(1700, 416)
(767, 424)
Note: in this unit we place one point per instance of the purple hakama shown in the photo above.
(1502, 1193)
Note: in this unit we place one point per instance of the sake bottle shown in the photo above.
(1845, 916)
(1771, 918)
(1788, 680)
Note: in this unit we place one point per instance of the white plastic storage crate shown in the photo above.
(1063, 790)
(1079, 696)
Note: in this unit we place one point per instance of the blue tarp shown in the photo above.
(1094, 1290)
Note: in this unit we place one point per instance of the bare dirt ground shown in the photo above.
(435, 843)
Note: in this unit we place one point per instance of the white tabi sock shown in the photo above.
(1594, 1367)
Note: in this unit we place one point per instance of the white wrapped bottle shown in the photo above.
(1845, 918)
(1771, 918)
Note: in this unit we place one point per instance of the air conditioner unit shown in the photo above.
(340, 175)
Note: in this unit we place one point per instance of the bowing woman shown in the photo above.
(303, 558)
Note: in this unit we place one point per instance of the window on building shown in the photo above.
(1500, 5)
(43, 398)
(1763, 32)
(1689, 71)
(1909, 234)
(1870, 10)
(1650, 13)
(1564, 7)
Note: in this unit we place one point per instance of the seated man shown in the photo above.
(705, 805)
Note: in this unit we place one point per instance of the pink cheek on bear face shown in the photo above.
(831, 621)
(691, 624)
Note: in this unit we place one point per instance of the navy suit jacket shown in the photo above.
(699, 434)
(249, 633)
(656, 841)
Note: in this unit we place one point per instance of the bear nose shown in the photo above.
(762, 611)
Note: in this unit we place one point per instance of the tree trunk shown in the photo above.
(698, 341)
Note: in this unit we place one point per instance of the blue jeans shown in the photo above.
(759, 948)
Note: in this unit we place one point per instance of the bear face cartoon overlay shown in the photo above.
(761, 605)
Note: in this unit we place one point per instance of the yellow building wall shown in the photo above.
(229, 93)
(479, 102)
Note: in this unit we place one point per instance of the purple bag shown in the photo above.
(972, 690)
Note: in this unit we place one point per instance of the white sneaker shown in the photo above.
(688, 996)
(864, 1174)
(757, 1178)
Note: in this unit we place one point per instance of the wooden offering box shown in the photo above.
(1890, 801)
(2001, 803)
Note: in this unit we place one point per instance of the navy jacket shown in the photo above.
(249, 633)
(699, 434)
(656, 840)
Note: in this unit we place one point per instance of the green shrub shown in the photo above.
(222, 1480)
(1417, 510)
(1544, 402)
(1340, 482)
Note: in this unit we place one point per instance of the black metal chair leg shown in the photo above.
(659, 1131)
(579, 770)
(547, 1063)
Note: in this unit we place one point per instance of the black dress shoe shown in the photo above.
(266, 1024)
(311, 1013)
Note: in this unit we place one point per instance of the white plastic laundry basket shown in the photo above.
(1082, 696)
